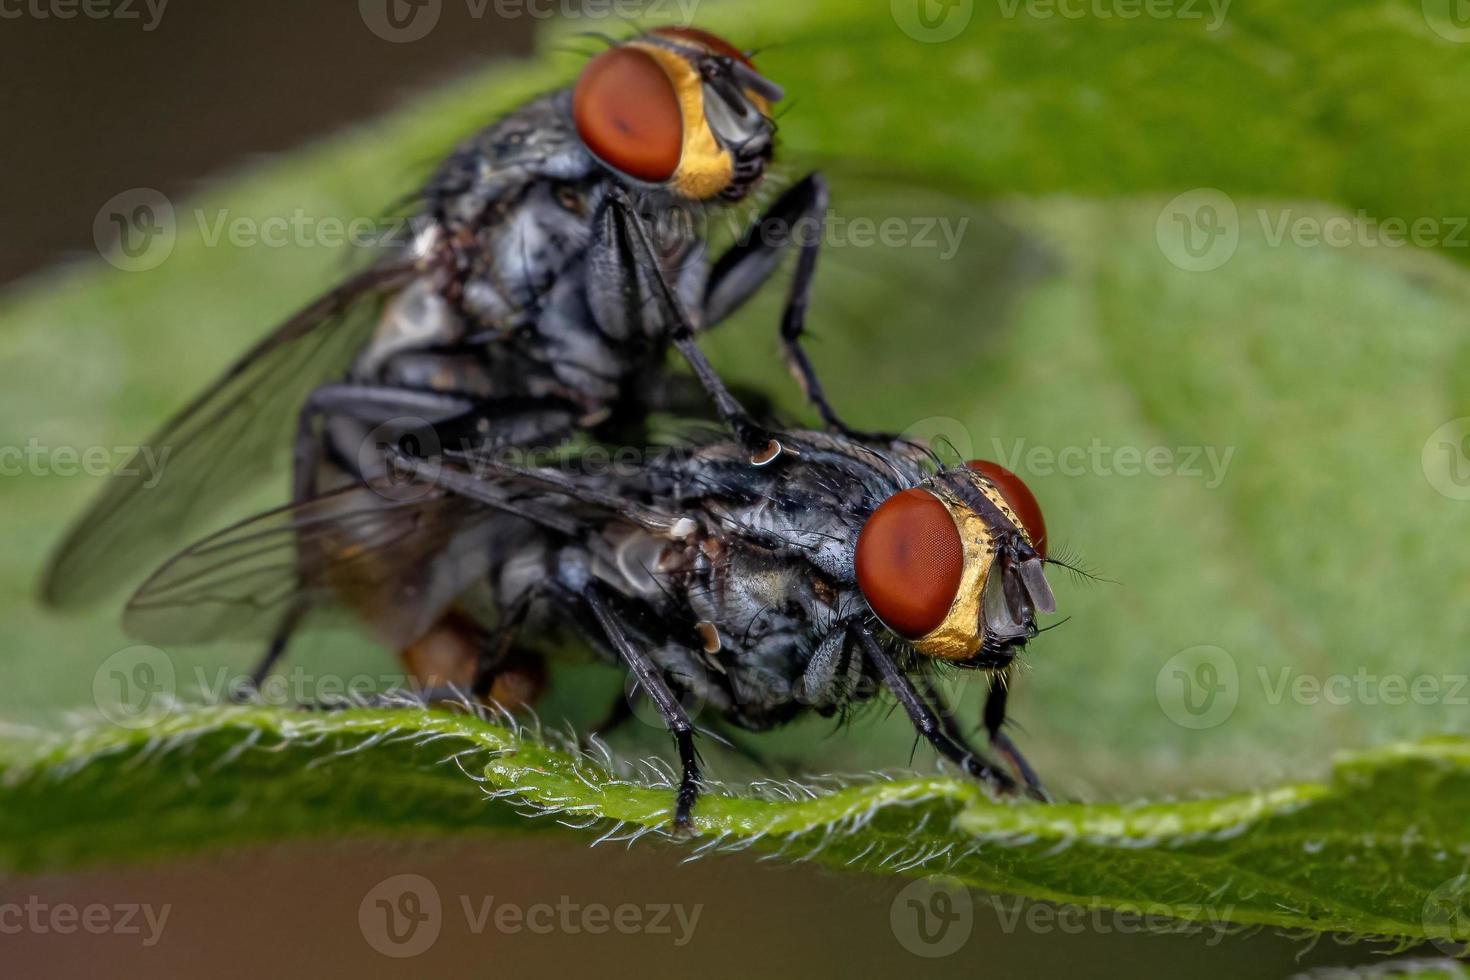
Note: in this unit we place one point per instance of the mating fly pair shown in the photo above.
(549, 277)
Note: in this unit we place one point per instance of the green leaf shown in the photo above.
(1387, 828)
(1299, 594)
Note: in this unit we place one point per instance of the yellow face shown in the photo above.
(672, 108)
(948, 573)
(960, 634)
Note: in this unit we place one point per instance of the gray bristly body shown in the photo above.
(748, 612)
(506, 306)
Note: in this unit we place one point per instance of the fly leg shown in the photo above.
(748, 265)
(798, 217)
(926, 722)
(947, 719)
(995, 716)
(624, 278)
(651, 680)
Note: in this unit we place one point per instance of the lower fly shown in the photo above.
(844, 570)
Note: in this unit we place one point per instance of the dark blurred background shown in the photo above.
(95, 106)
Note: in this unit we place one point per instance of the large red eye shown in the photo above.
(1019, 496)
(909, 560)
(628, 114)
(714, 42)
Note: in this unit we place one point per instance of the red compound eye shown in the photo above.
(1019, 496)
(628, 114)
(909, 560)
(715, 43)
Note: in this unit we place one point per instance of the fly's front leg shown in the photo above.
(995, 716)
(925, 721)
(626, 285)
(651, 681)
(799, 216)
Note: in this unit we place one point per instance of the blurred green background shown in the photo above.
(1181, 307)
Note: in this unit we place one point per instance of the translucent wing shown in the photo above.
(221, 443)
(395, 564)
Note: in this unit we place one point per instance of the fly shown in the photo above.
(844, 568)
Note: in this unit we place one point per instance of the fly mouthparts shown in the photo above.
(759, 84)
(1037, 587)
